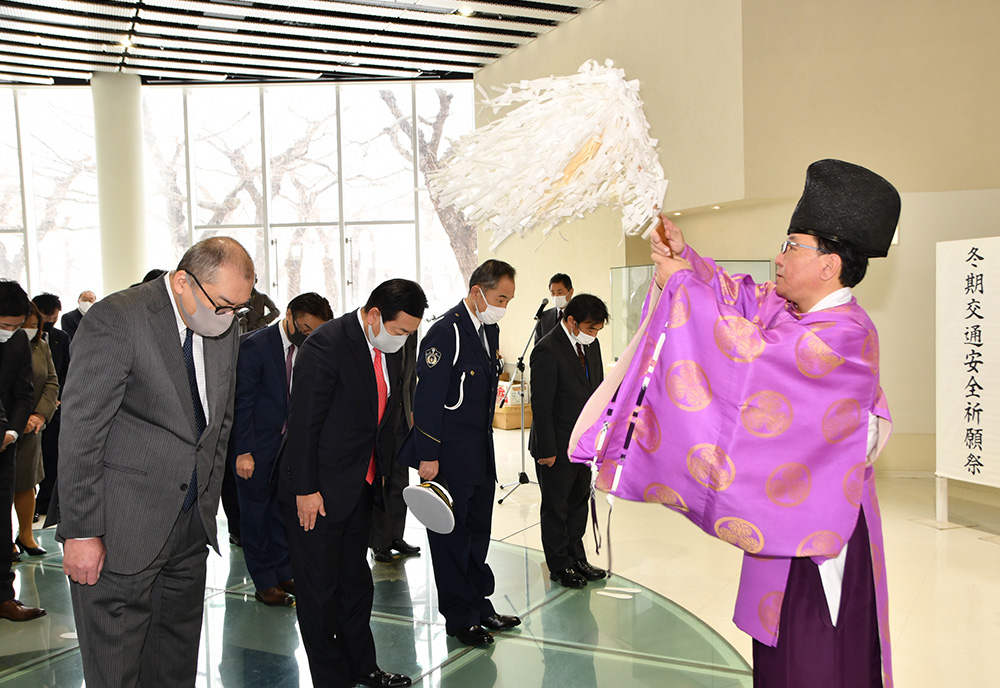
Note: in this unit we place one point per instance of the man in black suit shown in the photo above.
(346, 403)
(452, 442)
(17, 401)
(561, 291)
(388, 524)
(263, 388)
(49, 306)
(71, 321)
(147, 411)
(566, 368)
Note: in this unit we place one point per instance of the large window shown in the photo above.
(49, 238)
(323, 184)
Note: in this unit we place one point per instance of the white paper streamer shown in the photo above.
(570, 145)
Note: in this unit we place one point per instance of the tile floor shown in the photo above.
(676, 631)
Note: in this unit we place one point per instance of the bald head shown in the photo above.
(205, 258)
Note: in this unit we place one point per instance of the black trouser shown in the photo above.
(565, 488)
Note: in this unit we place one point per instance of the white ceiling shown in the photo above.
(170, 41)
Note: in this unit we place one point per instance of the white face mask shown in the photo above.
(5, 335)
(585, 338)
(383, 341)
(559, 302)
(30, 331)
(85, 306)
(204, 321)
(492, 314)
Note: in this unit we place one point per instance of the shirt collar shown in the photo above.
(285, 343)
(173, 302)
(833, 299)
(364, 332)
(476, 322)
(572, 339)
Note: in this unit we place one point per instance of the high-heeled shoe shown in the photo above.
(30, 551)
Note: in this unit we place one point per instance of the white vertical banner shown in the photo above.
(968, 360)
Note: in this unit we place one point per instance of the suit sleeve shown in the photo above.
(538, 331)
(316, 381)
(544, 381)
(47, 404)
(95, 388)
(433, 381)
(249, 371)
(24, 388)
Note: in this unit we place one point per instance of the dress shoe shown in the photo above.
(275, 597)
(473, 635)
(235, 540)
(288, 586)
(498, 622)
(591, 573)
(15, 611)
(382, 554)
(383, 679)
(15, 557)
(30, 551)
(404, 547)
(568, 578)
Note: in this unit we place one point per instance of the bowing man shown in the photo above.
(342, 429)
(263, 388)
(452, 442)
(566, 368)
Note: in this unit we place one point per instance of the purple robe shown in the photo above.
(751, 419)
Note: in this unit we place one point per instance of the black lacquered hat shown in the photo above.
(849, 204)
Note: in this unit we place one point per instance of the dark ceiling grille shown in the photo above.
(170, 41)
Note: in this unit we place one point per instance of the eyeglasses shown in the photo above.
(786, 243)
(242, 309)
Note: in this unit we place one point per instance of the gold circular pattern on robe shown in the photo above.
(659, 493)
(813, 356)
(711, 466)
(702, 269)
(841, 419)
(740, 532)
(822, 543)
(606, 475)
(854, 484)
(769, 611)
(730, 289)
(688, 386)
(766, 414)
(789, 484)
(869, 351)
(647, 430)
(738, 339)
(680, 308)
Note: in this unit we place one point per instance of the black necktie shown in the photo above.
(199, 416)
(482, 337)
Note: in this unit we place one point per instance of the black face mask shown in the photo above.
(48, 326)
(297, 338)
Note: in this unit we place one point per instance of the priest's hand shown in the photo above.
(666, 238)
(666, 266)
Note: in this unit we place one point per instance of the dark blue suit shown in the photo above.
(259, 417)
(452, 424)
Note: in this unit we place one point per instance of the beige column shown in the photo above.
(120, 191)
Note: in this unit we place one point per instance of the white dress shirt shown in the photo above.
(197, 348)
(371, 352)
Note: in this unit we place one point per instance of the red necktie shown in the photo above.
(383, 396)
(583, 357)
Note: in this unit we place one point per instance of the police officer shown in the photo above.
(451, 442)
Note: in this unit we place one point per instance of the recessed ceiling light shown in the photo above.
(465, 11)
(716, 207)
(676, 214)
(125, 42)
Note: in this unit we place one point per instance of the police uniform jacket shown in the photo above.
(454, 400)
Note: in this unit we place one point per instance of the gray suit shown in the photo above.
(127, 447)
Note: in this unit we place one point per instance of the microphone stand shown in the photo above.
(522, 477)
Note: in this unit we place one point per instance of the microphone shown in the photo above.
(541, 308)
